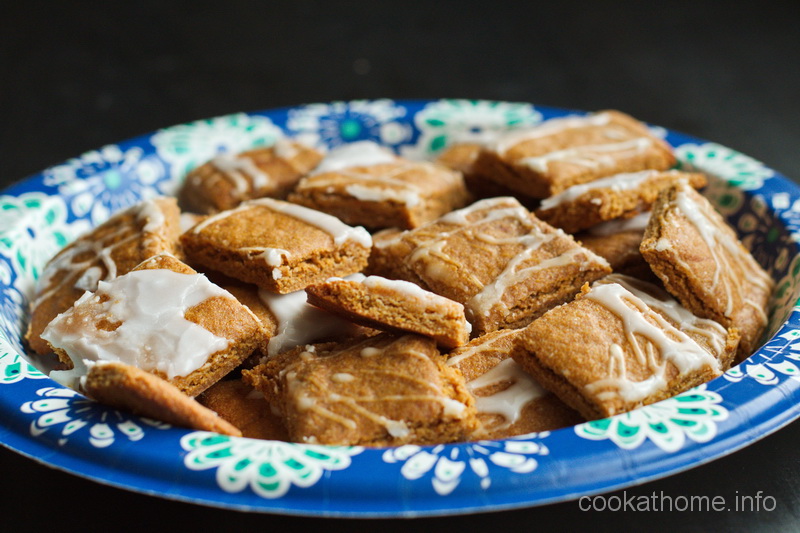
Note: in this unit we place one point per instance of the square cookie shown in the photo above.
(617, 241)
(607, 352)
(390, 192)
(496, 258)
(279, 246)
(393, 305)
(704, 265)
(386, 390)
(508, 400)
(230, 179)
(562, 152)
(161, 317)
(619, 196)
(111, 249)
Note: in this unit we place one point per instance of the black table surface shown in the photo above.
(76, 78)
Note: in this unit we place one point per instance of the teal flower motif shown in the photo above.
(65, 408)
(14, 367)
(736, 168)
(269, 468)
(187, 146)
(337, 123)
(449, 122)
(108, 180)
(768, 368)
(33, 227)
(667, 424)
(446, 466)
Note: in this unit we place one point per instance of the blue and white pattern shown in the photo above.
(41, 215)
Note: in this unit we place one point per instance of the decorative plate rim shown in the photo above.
(57, 427)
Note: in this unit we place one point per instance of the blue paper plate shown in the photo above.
(59, 427)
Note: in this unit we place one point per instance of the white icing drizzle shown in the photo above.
(300, 323)
(284, 148)
(617, 183)
(548, 128)
(153, 334)
(594, 156)
(407, 196)
(667, 345)
(619, 225)
(61, 268)
(396, 428)
(726, 252)
(357, 154)
(663, 303)
(238, 168)
(405, 287)
(508, 402)
(338, 230)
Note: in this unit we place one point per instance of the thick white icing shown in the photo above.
(153, 333)
(510, 401)
(300, 323)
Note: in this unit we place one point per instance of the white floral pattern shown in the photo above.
(667, 424)
(66, 409)
(268, 468)
(447, 465)
(108, 180)
(337, 123)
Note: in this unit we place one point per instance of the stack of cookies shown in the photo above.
(556, 274)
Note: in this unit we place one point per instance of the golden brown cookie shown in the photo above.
(279, 246)
(109, 250)
(230, 179)
(508, 400)
(496, 258)
(393, 192)
(386, 390)
(619, 196)
(393, 305)
(142, 393)
(607, 353)
(245, 408)
(562, 152)
(704, 265)
(161, 317)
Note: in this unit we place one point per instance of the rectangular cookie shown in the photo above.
(161, 317)
(719, 341)
(230, 179)
(385, 390)
(390, 193)
(607, 352)
(562, 152)
(496, 258)
(279, 246)
(704, 265)
(111, 249)
(619, 196)
(393, 305)
(617, 241)
(508, 400)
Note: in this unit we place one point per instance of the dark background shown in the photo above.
(75, 78)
